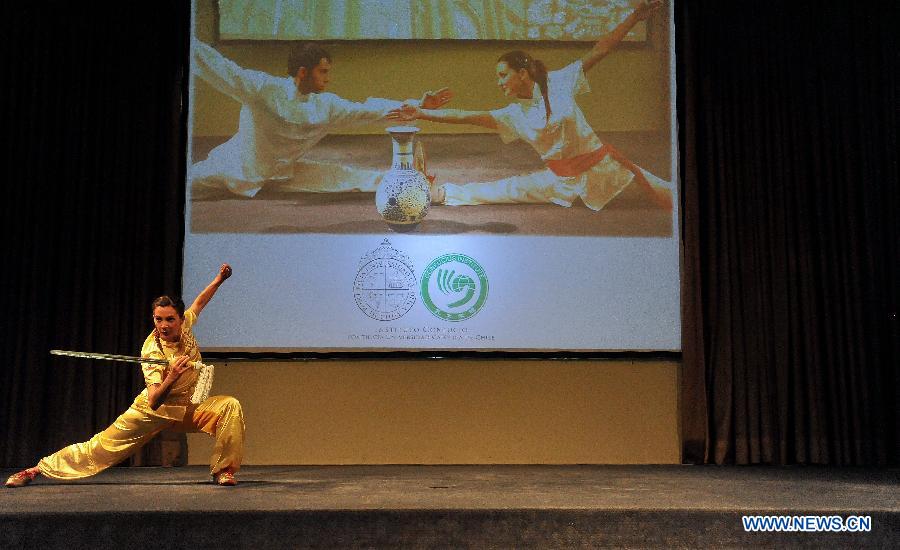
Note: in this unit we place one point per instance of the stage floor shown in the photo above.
(470, 487)
(469, 506)
(453, 158)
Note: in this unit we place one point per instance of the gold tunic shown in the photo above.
(219, 416)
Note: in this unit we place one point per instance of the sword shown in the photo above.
(109, 357)
(204, 380)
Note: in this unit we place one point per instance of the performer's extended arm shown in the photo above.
(226, 76)
(409, 113)
(157, 393)
(346, 113)
(608, 42)
(206, 295)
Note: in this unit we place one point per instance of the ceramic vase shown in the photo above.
(403, 196)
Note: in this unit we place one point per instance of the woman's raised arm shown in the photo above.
(608, 43)
(206, 295)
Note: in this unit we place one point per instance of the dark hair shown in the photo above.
(308, 55)
(518, 60)
(168, 301)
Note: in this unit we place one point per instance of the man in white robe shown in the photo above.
(281, 119)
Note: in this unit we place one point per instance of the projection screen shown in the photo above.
(557, 229)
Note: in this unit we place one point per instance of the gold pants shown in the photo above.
(220, 416)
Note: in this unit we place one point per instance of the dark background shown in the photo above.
(788, 144)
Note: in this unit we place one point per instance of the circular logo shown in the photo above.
(454, 287)
(385, 284)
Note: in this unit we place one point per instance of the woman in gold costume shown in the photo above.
(164, 404)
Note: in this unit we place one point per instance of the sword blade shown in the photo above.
(108, 357)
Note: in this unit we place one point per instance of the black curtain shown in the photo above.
(92, 207)
(788, 129)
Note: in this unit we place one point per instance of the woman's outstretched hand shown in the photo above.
(405, 113)
(435, 100)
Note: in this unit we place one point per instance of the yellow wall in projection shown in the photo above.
(630, 88)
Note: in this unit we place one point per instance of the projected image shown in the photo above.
(434, 175)
(534, 117)
(422, 19)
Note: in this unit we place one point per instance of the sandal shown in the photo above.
(225, 478)
(23, 478)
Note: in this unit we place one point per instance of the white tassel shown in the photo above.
(204, 382)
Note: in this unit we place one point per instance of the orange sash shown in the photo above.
(566, 168)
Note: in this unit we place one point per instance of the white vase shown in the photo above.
(403, 196)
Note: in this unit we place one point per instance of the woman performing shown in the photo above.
(578, 164)
(164, 404)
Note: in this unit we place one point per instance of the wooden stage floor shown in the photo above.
(453, 506)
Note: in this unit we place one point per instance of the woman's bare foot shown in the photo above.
(419, 163)
(437, 191)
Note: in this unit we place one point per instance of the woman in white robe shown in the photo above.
(547, 117)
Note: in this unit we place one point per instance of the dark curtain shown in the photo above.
(787, 116)
(788, 129)
(92, 208)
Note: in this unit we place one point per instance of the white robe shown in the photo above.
(566, 135)
(277, 126)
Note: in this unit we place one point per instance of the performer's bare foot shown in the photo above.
(437, 191)
(23, 478)
(225, 478)
(419, 163)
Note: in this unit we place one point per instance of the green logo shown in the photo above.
(454, 287)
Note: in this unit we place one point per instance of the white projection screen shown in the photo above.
(558, 232)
